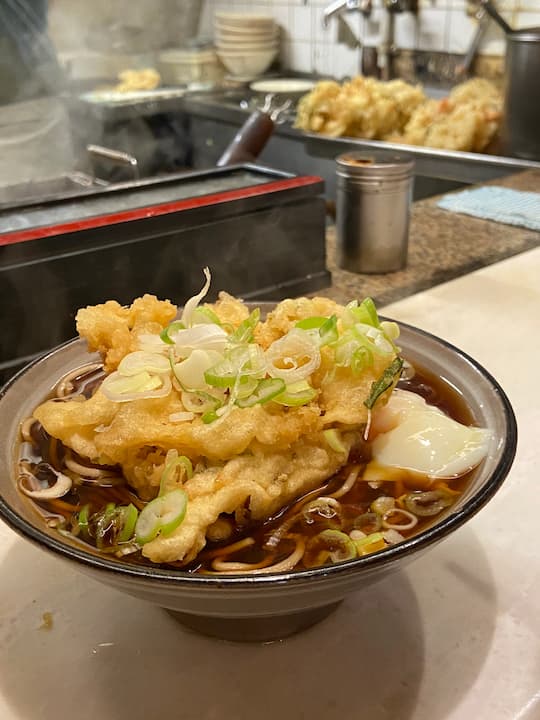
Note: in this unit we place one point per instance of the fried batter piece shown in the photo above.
(468, 119)
(265, 482)
(261, 456)
(363, 107)
(114, 330)
(132, 80)
(288, 312)
(122, 433)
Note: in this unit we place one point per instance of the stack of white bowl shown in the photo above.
(246, 44)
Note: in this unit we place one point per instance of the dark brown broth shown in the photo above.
(356, 502)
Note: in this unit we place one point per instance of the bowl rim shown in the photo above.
(184, 580)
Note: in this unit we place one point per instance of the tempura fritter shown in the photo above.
(252, 458)
(468, 119)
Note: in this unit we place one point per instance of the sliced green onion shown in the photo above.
(329, 544)
(386, 381)
(328, 331)
(244, 332)
(240, 364)
(382, 504)
(333, 438)
(370, 544)
(142, 361)
(174, 327)
(172, 462)
(361, 359)
(193, 302)
(366, 312)
(297, 394)
(248, 358)
(119, 388)
(425, 504)
(128, 520)
(265, 391)
(209, 417)
(203, 315)
(105, 520)
(200, 402)
(200, 337)
(311, 323)
(373, 338)
(83, 518)
(326, 507)
(406, 520)
(161, 516)
(327, 328)
(222, 375)
(368, 522)
(118, 384)
(246, 387)
(294, 356)
(355, 349)
(390, 329)
(190, 372)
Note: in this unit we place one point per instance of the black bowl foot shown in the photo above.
(254, 629)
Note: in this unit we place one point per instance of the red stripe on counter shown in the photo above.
(156, 210)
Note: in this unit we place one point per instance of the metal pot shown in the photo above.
(521, 127)
(521, 136)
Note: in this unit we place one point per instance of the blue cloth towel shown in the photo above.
(503, 205)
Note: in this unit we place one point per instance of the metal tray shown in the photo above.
(457, 166)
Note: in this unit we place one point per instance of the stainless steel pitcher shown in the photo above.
(521, 124)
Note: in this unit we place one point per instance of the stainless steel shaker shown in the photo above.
(374, 194)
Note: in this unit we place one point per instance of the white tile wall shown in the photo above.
(441, 25)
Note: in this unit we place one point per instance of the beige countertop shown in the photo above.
(443, 245)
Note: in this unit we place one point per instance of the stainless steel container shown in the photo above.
(521, 128)
(374, 194)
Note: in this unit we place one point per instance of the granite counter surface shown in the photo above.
(443, 245)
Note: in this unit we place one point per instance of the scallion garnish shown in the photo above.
(128, 515)
(315, 322)
(203, 315)
(333, 438)
(174, 327)
(328, 331)
(172, 462)
(161, 516)
(365, 313)
(83, 518)
(265, 391)
(297, 394)
(386, 380)
(244, 332)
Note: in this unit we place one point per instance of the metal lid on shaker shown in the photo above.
(374, 165)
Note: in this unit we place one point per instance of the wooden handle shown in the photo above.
(249, 141)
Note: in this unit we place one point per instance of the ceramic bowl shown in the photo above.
(244, 20)
(233, 31)
(225, 42)
(259, 607)
(247, 62)
(247, 48)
